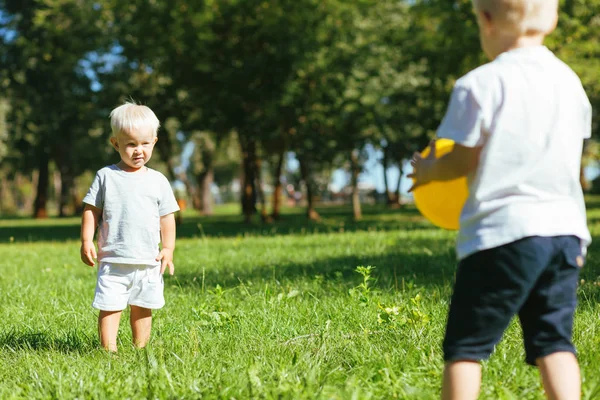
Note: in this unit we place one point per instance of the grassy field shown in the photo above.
(294, 310)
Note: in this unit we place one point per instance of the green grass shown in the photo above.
(262, 311)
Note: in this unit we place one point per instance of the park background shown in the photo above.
(303, 269)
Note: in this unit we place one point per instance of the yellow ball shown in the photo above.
(442, 202)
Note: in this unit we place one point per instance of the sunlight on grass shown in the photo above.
(295, 310)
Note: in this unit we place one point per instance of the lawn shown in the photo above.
(293, 310)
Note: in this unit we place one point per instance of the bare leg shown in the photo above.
(462, 380)
(141, 323)
(560, 376)
(108, 327)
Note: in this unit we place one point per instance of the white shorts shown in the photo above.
(122, 284)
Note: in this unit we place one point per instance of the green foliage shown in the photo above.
(575, 43)
(53, 114)
(50, 92)
(321, 79)
(362, 292)
(411, 314)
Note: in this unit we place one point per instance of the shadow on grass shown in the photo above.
(334, 219)
(229, 223)
(39, 233)
(422, 262)
(70, 341)
(395, 268)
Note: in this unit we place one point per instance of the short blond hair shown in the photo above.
(521, 16)
(131, 116)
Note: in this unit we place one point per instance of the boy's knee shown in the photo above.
(472, 353)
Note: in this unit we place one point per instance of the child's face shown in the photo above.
(135, 148)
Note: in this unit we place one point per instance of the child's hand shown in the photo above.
(421, 167)
(166, 258)
(88, 253)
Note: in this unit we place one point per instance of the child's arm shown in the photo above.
(455, 164)
(89, 222)
(167, 233)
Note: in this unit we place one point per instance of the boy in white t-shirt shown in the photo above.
(519, 123)
(134, 207)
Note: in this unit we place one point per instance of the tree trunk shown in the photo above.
(76, 199)
(277, 190)
(41, 198)
(585, 185)
(164, 147)
(311, 213)
(67, 191)
(205, 181)
(398, 192)
(248, 197)
(62, 195)
(207, 196)
(355, 167)
(264, 215)
(64, 176)
(57, 189)
(194, 195)
(389, 198)
(7, 198)
(24, 203)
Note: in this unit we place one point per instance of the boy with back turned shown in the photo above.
(518, 123)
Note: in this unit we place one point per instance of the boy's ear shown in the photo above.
(485, 21)
(155, 139)
(114, 142)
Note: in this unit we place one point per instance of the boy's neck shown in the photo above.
(126, 168)
(508, 43)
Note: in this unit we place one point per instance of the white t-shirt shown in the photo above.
(132, 204)
(530, 113)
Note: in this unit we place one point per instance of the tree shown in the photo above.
(42, 55)
(356, 88)
(575, 42)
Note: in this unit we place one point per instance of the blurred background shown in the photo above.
(267, 104)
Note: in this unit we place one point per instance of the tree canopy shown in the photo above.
(243, 84)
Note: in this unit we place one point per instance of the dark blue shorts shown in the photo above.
(535, 277)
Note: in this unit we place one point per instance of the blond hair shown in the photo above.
(131, 116)
(521, 16)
